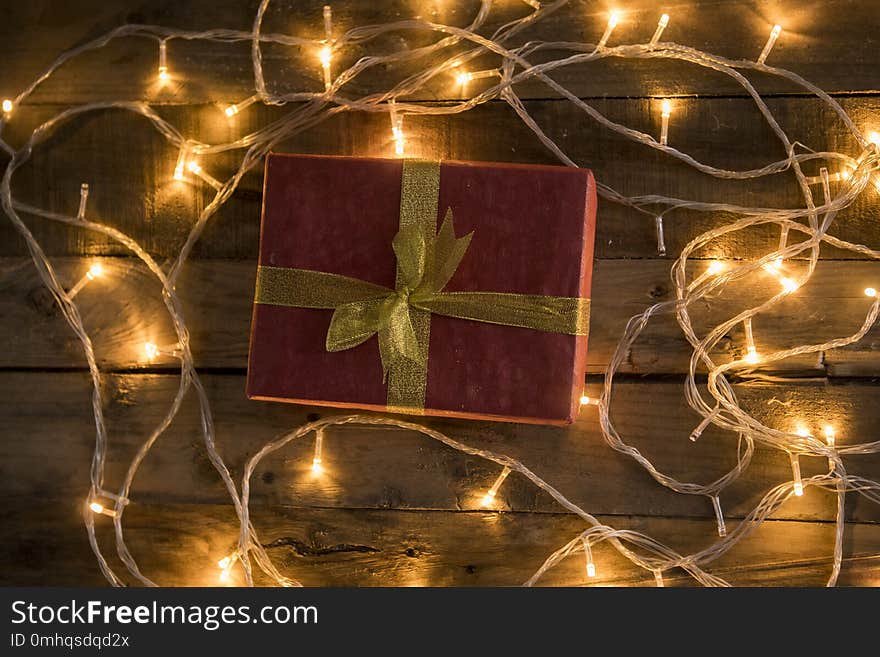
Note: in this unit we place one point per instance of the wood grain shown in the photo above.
(388, 468)
(123, 310)
(180, 544)
(829, 42)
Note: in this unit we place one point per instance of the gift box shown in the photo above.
(432, 288)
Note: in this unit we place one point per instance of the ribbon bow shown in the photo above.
(424, 266)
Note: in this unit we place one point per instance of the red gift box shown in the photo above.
(533, 229)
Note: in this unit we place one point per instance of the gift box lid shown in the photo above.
(532, 229)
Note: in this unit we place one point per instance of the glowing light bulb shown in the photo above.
(665, 113)
(789, 284)
(774, 34)
(397, 133)
(224, 563)
(7, 106)
(613, 20)
(661, 25)
(796, 474)
(588, 555)
(873, 137)
(182, 157)
(225, 575)
(232, 110)
(489, 497)
(463, 78)
(870, 292)
(326, 55)
(587, 400)
(163, 62)
(715, 267)
(751, 351)
(196, 169)
(151, 350)
(319, 450)
(830, 435)
(97, 507)
(95, 271)
(773, 266)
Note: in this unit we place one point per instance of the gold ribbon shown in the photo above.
(402, 317)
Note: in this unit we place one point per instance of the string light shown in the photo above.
(640, 549)
(83, 199)
(702, 426)
(870, 292)
(796, 475)
(182, 157)
(613, 20)
(828, 430)
(588, 555)
(661, 238)
(752, 356)
(97, 505)
(719, 516)
(317, 468)
(152, 351)
(99, 508)
(665, 113)
(489, 498)
(658, 578)
(589, 401)
(326, 52)
(196, 169)
(771, 41)
(7, 106)
(163, 62)
(774, 268)
(396, 128)
(715, 267)
(661, 25)
(95, 271)
(232, 110)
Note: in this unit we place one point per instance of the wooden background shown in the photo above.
(395, 509)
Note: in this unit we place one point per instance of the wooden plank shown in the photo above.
(129, 168)
(830, 43)
(124, 309)
(50, 439)
(179, 545)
